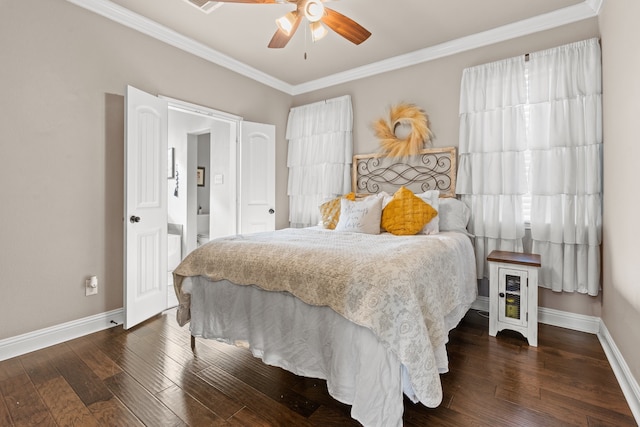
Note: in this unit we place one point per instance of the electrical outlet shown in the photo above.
(91, 286)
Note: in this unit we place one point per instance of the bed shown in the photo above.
(370, 313)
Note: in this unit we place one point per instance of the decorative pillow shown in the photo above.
(406, 213)
(330, 211)
(432, 197)
(382, 195)
(454, 215)
(386, 198)
(361, 216)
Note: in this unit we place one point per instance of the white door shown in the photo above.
(257, 177)
(145, 260)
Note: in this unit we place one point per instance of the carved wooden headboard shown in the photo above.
(431, 169)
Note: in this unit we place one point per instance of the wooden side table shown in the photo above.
(513, 293)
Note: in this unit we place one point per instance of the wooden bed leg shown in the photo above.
(193, 342)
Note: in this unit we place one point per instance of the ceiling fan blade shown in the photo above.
(280, 38)
(346, 27)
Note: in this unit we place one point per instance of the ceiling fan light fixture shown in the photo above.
(318, 31)
(313, 10)
(285, 23)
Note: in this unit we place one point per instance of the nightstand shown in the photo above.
(513, 293)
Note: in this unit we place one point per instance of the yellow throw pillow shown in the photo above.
(330, 211)
(406, 213)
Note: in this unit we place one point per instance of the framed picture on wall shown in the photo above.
(200, 176)
(171, 163)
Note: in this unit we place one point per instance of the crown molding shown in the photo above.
(595, 5)
(585, 10)
(151, 28)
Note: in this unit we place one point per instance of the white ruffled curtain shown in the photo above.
(566, 167)
(552, 106)
(491, 168)
(320, 139)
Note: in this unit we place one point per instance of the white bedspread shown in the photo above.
(310, 341)
(408, 290)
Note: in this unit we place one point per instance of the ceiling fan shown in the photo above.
(317, 15)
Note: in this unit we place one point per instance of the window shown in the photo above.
(529, 132)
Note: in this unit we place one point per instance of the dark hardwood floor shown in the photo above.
(149, 376)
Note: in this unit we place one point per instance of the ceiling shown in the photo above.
(404, 32)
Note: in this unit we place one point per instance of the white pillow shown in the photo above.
(432, 197)
(360, 216)
(454, 215)
(386, 198)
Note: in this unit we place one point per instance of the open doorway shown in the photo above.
(161, 182)
(201, 195)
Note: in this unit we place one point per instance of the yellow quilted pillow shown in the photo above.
(406, 213)
(330, 211)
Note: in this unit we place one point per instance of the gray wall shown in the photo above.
(621, 92)
(63, 77)
(204, 160)
(435, 87)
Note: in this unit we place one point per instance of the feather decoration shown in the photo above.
(403, 114)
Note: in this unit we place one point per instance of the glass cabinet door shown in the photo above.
(512, 293)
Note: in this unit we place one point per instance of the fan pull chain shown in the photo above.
(305, 45)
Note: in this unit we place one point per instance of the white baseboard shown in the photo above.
(21, 344)
(564, 319)
(549, 316)
(592, 325)
(628, 383)
(481, 304)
